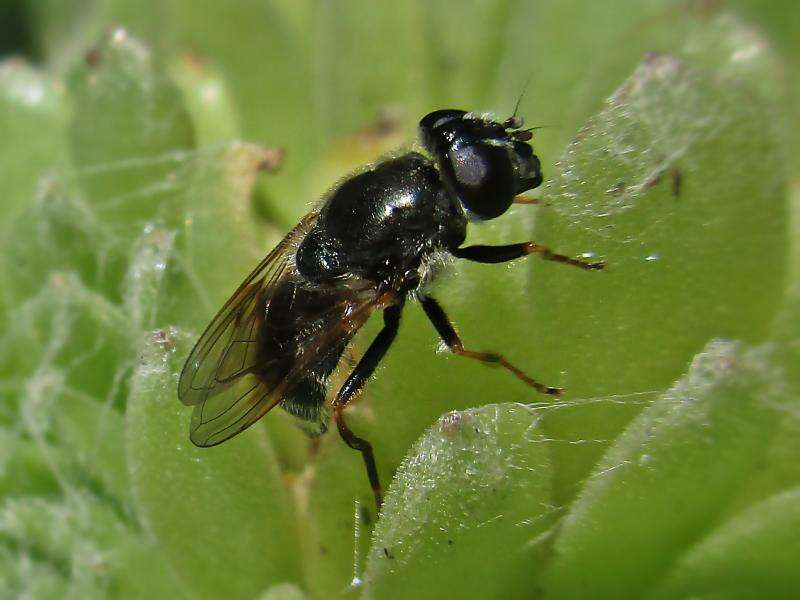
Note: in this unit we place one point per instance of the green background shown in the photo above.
(136, 192)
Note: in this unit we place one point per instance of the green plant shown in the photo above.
(131, 211)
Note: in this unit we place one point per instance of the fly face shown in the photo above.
(365, 249)
(483, 162)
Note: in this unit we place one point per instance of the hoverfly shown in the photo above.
(365, 248)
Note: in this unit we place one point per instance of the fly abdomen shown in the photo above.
(306, 399)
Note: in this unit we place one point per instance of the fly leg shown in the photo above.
(526, 200)
(499, 254)
(356, 380)
(441, 322)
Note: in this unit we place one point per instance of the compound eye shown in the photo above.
(430, 123)
(438, 118)
(483, 178)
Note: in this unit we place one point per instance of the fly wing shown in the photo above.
(218, 378)
(230, 380)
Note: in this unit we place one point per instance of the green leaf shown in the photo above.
(32, 117)
(221, 516)
(464, 511)
(676, 261)
(38, 356)
(207, 99)
(79, 547)
(113, 264)
(738, 559)
(129, 133)
(284, 591)
(24, 469)
(672, 476)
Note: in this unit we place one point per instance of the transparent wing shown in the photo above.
(229, 381)
(218, 377)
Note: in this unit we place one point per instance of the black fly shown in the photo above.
(283, 332)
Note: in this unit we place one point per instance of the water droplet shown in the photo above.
(119, 35)
(211, 91)
(645, 459)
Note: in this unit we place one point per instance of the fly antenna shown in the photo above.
(541, 127)
(521, 95)
(515, 122)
